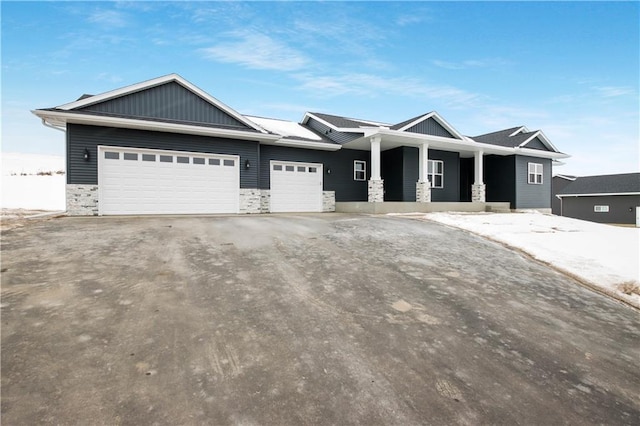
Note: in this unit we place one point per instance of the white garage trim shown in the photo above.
(150, 181)
(295, 187)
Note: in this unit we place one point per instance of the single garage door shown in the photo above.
(296, 187)
(137, 181)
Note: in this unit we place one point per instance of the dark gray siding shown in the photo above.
(80, 137)
(338, 137)
(400, 171)
(430, 127)
(557, 184)
(622, 208)
(170, 101)
(529, 196)
(498, 177)
(339, 162)
(466, 178)
(536, 143)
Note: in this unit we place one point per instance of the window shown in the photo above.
(166, 158)
(359, 170)
(535, 173)
(435, 173)
(289, 168)
(111, 155)
(601, 209)
(148, 157)
(214, 161)
(198, 160)
(302, 169)
(229, 162)
(130, 156)
(182, 160)
(313, 170)
(277, 167)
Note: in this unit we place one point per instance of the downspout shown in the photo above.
(51, 126)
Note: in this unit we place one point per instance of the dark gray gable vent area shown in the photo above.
(536, 143)
(430, 127)
(169, 101)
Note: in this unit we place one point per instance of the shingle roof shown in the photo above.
(502, 138)
(604, 184)
(339, 121)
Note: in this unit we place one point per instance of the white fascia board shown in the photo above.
(416, 121)
(598, 195)
(542, 137)
(522, 129)
(538, 153)
(62, 118)
(337, 129)
(304, 144)
(440, 121)
(566, 177)
(157, 82)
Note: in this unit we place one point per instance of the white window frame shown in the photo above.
(533, 171)
(432, 173)
(356, 171)
(601, 209)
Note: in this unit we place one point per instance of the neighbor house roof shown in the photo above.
(620, 184)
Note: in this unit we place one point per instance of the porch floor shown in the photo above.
(411, 207)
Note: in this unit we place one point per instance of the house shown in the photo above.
(604, 199)
(164, 146)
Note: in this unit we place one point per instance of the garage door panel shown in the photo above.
(166, 185)
(296, 187)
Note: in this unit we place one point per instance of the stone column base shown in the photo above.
(82, 200)
(478, 193)
(265, 201)
(376, 191)
(423, 192)
(328, 201)
(249, 200)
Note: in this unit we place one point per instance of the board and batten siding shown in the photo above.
(536, 143)
(169, 101)
(338, 137)
(81, 137)
(430, 127)
(339, 163)
(622, 208)
(532, 196)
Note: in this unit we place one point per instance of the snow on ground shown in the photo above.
(26, 183)
(605, 256)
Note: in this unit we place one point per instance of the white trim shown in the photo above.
(601, 208)
(431, 176)
(522, 129)
(157, 82)
(543, 138)
(364, 170)
(604, 194)
(304, 144)
(566, 177)
(535, 173)
(433, 114)
(158, 126)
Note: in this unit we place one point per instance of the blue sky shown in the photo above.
(568, 68)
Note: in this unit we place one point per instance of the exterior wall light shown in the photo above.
(247, 165)
(86, 155)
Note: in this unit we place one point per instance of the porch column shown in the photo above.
(376, 186)
(423, 186)
(478, 188)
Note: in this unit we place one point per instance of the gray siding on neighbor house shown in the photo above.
(498, 178)
(339, 162)
(536, 143)
(531, 196)
(557, 184)
(622, 208)
(338, 137)
(169, 101)
(80, 137)
(400, 172)
(430, 127)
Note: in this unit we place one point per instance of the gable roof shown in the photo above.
(87, 101)
(515, 137)
(625, 183)
(408, 124)
(338, 122)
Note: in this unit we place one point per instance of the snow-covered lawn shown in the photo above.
(33, 182)
(605, 256)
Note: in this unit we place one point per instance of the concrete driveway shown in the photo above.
(301, 319)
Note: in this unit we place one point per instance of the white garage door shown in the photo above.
(136, 181)
(296, 187)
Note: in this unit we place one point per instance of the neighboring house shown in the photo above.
(604, 199)
(166, 146)
(557, 184)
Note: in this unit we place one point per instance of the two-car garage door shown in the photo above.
(137, 181)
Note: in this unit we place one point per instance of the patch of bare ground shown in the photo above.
(629, 287)
(17, 218)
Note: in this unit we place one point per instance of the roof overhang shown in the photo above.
(466, 147)
(62, 118)
(603, 194)
(293, 143)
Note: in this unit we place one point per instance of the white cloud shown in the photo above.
(110, 18)
(614, 91)
(257, 51)
(470, 63)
